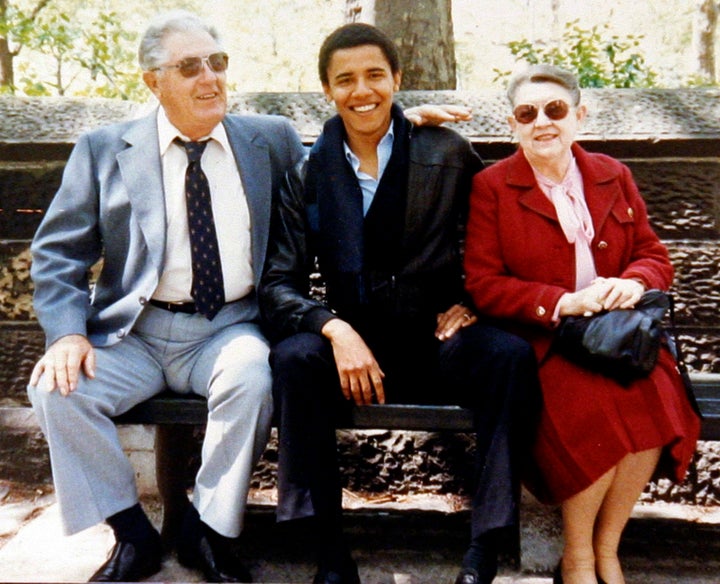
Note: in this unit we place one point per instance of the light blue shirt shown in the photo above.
(369, 184)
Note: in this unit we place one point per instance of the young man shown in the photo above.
(160, 315)
(380, 205)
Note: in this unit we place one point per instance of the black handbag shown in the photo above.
(622, 344)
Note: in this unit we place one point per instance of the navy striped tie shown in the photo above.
(208, 288)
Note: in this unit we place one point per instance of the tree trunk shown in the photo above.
(704, 25)
(7, 77)
(7, 74)
(8, 54)
(423, 32)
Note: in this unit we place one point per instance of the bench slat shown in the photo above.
(413, 417)
(169, 408)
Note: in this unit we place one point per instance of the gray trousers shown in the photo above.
(224, 360)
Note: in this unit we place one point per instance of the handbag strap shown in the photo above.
(675, 346)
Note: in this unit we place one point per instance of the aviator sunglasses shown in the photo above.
(191, 66)
(555, 110)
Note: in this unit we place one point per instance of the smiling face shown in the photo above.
(361, 84)
(197, 104)
(545, 142)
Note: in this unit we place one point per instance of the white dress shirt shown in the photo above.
(230, 210)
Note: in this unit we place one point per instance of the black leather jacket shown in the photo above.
(441, 167)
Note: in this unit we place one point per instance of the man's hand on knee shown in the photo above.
(361, 378)
(62, 362)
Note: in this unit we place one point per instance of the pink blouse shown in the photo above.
(568, 197)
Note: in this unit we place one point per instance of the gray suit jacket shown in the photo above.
(110, 206)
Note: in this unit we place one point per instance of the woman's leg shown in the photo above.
(579, 514)
(631, 475)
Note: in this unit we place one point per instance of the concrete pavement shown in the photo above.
(663, 545)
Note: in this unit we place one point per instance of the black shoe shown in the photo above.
(347, 575)
(200, 548)
(557, 574)
(216, 565)
(467, 576)
(129, 562)
(480, 562)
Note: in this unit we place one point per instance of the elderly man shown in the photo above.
(177, 207)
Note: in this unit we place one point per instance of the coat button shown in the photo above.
(540, 311)
(142, 300)
(121, 333)
(630, 212)
(602, 245)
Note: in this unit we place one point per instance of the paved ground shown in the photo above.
(392, 547)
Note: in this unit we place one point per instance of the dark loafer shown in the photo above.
(467, 576)
(129, 562)
(348, 575)
(200, 556)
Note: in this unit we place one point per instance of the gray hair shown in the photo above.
(152, 53)
(543, 73)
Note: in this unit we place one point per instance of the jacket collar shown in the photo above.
(599, 182)
(141, 170)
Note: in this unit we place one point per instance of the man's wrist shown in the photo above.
(333, 327)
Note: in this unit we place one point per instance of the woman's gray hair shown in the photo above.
(543, 73)
(152, 53)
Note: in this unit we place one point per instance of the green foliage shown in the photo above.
(597, 61)
(95, 59)
(699, 82)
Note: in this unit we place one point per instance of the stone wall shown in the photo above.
(669, 138)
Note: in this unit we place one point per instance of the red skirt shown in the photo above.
(589, 423)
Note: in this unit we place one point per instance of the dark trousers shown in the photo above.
(481, 367)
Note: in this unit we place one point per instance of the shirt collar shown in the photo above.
(571, 179)
(167, 132)
(384, 146)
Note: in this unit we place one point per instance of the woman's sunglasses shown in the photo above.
(556, 110)
(191, 66)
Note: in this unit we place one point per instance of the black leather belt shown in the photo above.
(184, 307)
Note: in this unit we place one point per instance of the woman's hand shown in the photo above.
(601, 294)
(359, 372)
(452, 320)
(621, 292)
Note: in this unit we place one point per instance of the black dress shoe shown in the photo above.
(216, 565)
(129, 562)
(347, 575)
(467, 576)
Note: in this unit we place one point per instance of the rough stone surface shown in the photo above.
(20, 347)
(646, 114)
(669, 138)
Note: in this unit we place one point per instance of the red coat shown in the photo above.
(518, 264)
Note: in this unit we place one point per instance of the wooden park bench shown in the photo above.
(175, 414)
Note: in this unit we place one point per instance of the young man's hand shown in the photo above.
(361, 378)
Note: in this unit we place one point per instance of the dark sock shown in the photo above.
(193, 528)
(217, 541)
(332, 550)
(482, 555)
(133, 526)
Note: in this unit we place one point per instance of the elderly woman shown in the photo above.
(553, 231)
